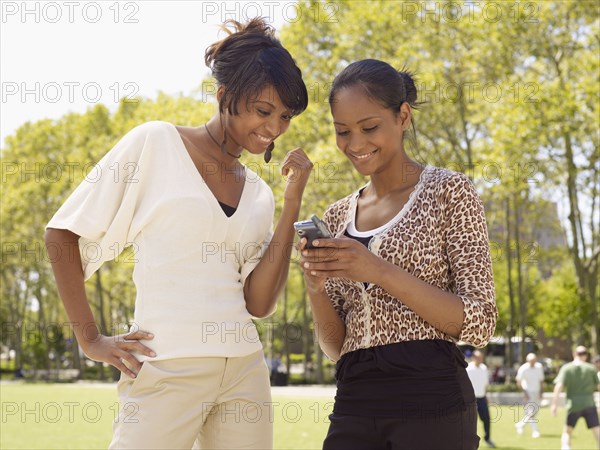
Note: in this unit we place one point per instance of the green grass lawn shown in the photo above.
(71, 416)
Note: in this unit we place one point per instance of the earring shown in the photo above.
(269, 151)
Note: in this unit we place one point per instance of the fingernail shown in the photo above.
(150, 335)
(153, 354)
(305, 252)
(306, 265)
(315, 243)
(313, 272)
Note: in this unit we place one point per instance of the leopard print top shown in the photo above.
(440, 237)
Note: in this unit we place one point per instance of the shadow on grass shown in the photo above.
(551, 435)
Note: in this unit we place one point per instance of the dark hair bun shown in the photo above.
(238, 31)
(250, 58)
(410, 89)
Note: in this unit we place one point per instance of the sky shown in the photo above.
(63, 56)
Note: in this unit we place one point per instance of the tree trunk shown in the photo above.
(42, 324)
(520, 294)
(100, 307)
(511, 295)
(308, 365)
(578, 250)
(286, 347)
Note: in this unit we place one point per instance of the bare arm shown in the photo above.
(266, 282)
(554, 405)
(329, 327)
(63, 252)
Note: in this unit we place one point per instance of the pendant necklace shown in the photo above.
(219, 145)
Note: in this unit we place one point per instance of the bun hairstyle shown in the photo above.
(382, 83)
(250, 58)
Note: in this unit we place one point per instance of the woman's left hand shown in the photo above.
(343, 258)
(297, 167)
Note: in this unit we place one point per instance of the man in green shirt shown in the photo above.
(580, 381)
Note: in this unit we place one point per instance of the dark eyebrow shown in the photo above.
(361, 120)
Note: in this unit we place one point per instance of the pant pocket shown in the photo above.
(148, 378)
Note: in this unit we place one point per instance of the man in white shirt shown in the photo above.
(478, 374)
(530, 377)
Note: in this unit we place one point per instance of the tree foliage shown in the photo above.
(511, 94)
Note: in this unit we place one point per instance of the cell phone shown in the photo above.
(312, 229)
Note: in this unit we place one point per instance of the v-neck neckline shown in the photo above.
(200, 179)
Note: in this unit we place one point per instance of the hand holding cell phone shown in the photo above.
(312, 229)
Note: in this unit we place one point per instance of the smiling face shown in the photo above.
(369, 134)
(259, 122)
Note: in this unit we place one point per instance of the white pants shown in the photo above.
(214, 403)
(531, 408)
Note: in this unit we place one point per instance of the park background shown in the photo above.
(511, 92)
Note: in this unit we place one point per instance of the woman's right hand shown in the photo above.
(297, 167)
(314, 284)
(116, 350)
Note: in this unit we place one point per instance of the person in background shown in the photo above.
(478, 374)
(530, 377)
(579, 379)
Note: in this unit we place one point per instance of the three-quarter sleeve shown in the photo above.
(333, 292)
(468, 253)
(337, 299)
(262, 225)
(101, 209)
(255, 254)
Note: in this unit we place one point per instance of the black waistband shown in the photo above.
(415, 378)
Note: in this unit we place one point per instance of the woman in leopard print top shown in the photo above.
(407, 274)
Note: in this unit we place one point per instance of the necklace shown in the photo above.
(219, 145)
